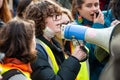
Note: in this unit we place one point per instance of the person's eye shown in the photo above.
(89, 5)
(67, 22)
(96, 4)
(56, 17)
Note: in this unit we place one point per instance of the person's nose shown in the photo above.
(61, 21)
(94, 8)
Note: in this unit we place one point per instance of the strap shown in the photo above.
(10, 73)
(51, 57)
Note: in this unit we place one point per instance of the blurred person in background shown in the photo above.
(65, 3)
(66, 19)
(69, 46)
(5, 13)
(104, 4)
(22, 5)
(17, 42)
(88, 13)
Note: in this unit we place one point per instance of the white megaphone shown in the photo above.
(101, 37)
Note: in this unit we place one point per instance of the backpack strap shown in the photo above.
(10, 73)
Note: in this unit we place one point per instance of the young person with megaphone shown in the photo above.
(51, 63)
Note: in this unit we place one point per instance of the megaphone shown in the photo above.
(101, 37)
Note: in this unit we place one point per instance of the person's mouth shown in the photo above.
(94, 13)
(91, 14)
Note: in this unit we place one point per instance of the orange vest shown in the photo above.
(8, 66)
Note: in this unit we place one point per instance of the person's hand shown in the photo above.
(115, 22)
(79, 53)
(99, 18)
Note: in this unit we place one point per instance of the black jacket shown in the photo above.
(68, 69)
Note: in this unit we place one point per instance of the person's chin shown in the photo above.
(90, 19)
(58, 31)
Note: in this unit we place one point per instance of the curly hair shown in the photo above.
(39, 11)
(16, 39)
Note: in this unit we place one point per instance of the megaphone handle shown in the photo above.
(83, 48)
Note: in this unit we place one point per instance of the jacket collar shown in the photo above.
(84, 22)
(15, 63)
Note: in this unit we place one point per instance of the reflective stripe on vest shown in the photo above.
(4, 69)
(51, 57)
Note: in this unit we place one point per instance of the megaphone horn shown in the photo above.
(101, 37)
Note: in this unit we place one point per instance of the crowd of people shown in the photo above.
(31, 46)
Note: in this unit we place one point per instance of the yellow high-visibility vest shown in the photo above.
(51, 58)
(83, 73)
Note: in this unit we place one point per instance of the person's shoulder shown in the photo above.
(18, 77)
(40, 48)
(14, 74)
